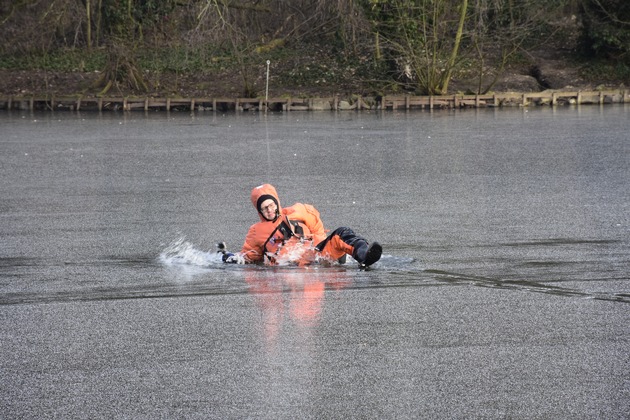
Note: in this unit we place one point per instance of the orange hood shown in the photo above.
(262, 193)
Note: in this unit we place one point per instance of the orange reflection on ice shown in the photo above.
(292, 295)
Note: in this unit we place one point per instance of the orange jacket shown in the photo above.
(289, 238)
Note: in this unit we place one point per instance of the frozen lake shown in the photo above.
(503, 290)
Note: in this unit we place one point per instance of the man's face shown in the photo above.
(268, 209)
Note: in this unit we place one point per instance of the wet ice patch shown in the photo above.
(393, 261)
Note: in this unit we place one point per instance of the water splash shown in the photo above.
(293, 253)
(182, 252)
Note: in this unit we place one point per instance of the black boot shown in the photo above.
(367, 255)
(362, 252)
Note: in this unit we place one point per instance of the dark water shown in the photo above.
(503, 290)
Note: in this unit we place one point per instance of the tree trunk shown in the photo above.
(88, 11)
(458, 38)
(121, 69)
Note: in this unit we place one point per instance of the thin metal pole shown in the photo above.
(267, 88)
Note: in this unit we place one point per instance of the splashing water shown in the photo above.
(293, 253)
(183, 252)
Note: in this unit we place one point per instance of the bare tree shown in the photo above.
(423, 38)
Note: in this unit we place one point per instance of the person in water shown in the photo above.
(296, 235)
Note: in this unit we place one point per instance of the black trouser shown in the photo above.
(345, 233)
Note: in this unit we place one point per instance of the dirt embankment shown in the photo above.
(547, 69)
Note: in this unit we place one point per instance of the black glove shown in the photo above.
(230, 258)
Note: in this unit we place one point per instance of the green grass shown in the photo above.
(60, 60)
(600, 71)
(176, 59)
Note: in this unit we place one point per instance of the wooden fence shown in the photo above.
(405, 102)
